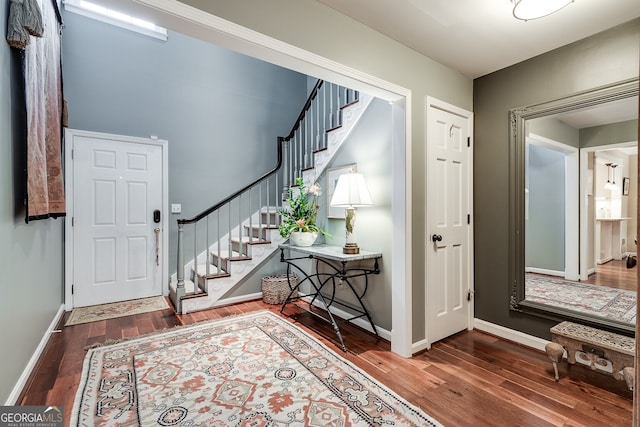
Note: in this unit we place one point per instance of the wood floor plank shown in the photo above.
(470, 379)
(97, 329)
(517, 372)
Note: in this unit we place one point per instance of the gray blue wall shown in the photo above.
(602, 59)
(220, 111)
(30, 254)
(369, 147)
(544, 232)
(555, 130)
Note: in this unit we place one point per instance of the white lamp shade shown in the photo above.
(533, 9)
(351, 190)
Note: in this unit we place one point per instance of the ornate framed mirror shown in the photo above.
(549, 133)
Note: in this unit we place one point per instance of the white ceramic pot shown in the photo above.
(303, 238)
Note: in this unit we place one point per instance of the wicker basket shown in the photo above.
(275, 289)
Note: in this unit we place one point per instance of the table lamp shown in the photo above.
(351, 191)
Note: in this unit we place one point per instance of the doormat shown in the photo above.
(112, 310)
(255, 369)
(602, 301)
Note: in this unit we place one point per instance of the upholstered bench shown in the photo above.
(601, 350)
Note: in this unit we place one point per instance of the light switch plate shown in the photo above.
(176, 208)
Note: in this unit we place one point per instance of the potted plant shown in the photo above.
(299, 219)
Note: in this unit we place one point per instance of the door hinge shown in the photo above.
(72, 222)
(71, 289)
(72, 154)
(468, 141)
(468, 218)
(469, 294)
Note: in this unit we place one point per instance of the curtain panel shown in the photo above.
(35, 26)
(43, 86)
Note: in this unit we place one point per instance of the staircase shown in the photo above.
(233, 238)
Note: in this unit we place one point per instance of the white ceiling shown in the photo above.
(478, 37)
(611, 112)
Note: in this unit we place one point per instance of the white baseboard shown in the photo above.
(510, 334)
(544, 271)
(26, 373)
(604, 260)
(419, 346)
(236, 300)
(497, 330)
(360, 322)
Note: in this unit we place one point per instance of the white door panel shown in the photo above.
(448, 187)
(117, 186)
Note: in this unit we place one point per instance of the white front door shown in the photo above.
(117, 186)
(448, 267)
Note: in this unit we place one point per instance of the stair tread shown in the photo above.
(261, 226)
(247, 239)
(213, 271)
(224, 254)
(221, 275)
(235, 256)
(190, 295)
(350, 104)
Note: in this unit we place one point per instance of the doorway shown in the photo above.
(608, 214)
(449, 287)
(115, 239)
(551, 207)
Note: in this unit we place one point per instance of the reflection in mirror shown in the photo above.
(573, 207)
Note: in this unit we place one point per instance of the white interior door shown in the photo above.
(117, 186)
(449, 162)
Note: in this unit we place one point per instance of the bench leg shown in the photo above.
(629, 375)
(554, 352)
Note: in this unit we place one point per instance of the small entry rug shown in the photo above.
(251, 370)
(611, 303)
(116, 309)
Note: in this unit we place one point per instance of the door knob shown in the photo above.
(436, 238)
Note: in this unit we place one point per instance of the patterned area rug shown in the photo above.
(116, 309)
(611, 303)
(250, 370)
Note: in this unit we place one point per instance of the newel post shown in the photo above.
(180, 270)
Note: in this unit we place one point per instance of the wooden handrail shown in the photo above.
(273, 171)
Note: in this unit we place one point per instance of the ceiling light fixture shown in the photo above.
(533, 9)
(611, 170)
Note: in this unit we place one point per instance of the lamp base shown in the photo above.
(351, 249)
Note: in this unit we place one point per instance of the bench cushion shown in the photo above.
(602, 339)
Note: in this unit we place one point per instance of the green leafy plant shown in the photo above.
(302, 211)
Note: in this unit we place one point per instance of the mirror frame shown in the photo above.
(517, 119)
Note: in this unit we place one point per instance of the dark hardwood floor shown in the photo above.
(615, 274)
(469, 379)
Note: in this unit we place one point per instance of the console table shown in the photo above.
(332, 268)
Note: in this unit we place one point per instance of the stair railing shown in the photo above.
(321, 113)
(295, 154)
